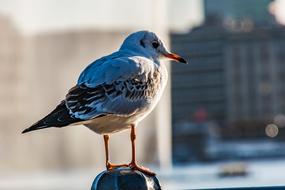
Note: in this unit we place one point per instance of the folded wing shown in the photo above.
(128, 86)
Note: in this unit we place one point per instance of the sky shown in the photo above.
(39, 15)
(32, 16)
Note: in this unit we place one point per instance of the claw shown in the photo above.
(110, 166)
(142, 169)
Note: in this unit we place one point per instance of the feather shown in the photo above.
(59, 117)
(126, 88)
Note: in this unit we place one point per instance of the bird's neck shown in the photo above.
(137, 52)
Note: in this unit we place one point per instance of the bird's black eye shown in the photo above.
(155, 44)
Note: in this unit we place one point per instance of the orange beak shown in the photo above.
(175, 57)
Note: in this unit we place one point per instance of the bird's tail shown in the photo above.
(59, 117)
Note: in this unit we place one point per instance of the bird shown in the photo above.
(116, 92)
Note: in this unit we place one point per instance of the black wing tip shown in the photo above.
(34, 127)
(28, 130)
(25, 131)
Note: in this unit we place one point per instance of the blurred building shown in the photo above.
(256, 11)
(10, 46)
(255, 76)
(236, 71)
(10, 55)
(201, 84)
(190, 142)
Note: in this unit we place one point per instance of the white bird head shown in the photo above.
(148, 44)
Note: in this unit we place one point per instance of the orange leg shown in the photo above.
(110, 166)
(133, 165)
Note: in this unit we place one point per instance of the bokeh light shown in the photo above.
(271, 130)
(279, 120)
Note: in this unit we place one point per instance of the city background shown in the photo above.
(222, 117)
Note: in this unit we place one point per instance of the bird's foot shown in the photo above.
(142, 169)
(110, 166)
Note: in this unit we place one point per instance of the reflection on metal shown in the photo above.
(125, 179)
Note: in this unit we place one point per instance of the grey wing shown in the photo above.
(123, 97)
(119, 85)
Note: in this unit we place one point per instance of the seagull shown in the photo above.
(116, 92)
